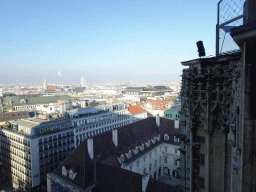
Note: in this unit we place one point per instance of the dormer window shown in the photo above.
(73, 172)
(176, 139)
(148, 143)
(135, 151)
(121, 159)
(129, 154)
(65, 169)
(166, 137)
(142, 147)
(158, 138)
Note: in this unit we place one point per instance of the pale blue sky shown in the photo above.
(102, 40)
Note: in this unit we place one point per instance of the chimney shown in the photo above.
(176, 123)
(90, 147)
(158, 120)
(114, 137)
(145, 180)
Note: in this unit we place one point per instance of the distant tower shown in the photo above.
(45, 84)
(83, 82)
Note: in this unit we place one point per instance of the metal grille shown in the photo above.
(230, 14)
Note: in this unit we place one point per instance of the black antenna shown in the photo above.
(200, 47)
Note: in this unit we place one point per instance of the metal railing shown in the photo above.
(230, 14)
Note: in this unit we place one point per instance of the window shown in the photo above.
(155, 163)
(175, 162)
(150, 167)
(165, 148)
(144, 171)
(130, 168)
(176, 151)
(165, 159)
(176, 139)
(150, 154)
(144, 158)
(138, 163)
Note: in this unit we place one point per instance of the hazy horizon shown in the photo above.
(114, 40)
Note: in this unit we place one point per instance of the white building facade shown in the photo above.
(33, 147)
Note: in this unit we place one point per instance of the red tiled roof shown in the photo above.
(79, 158)
(53, 87)
(161, 104)
(135, 109)
(112, 160)
(103, 145)
(109, 175)
(111, 178)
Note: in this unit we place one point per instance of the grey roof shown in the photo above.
(26, 123)
(33, 99)
(14, 115)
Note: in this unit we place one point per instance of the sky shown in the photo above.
(102, 40)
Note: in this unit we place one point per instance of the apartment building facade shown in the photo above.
(33, 147)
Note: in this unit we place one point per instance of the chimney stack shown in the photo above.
(145, 180)
(90, 147)
(158, 120)
(115, 137)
